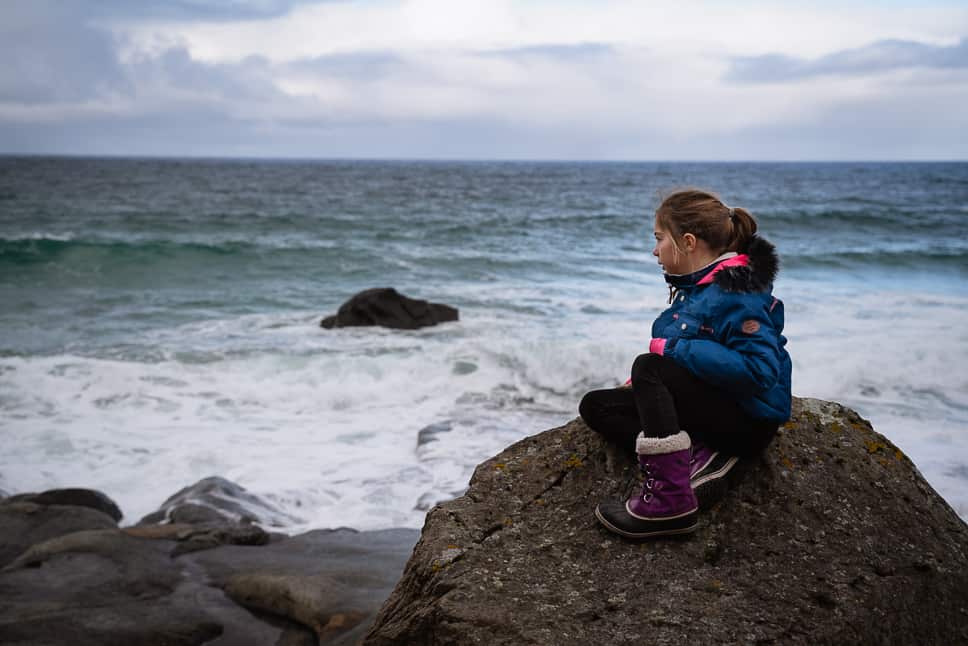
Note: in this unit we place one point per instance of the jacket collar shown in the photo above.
(753, 271)
(705, 274)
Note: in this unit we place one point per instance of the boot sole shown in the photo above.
(712, 487)
(657, 532)
(719, 473)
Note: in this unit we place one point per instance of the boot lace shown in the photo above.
(648, 482)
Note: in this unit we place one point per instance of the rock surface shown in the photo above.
(75, 498)
(23, 524)
(831, 536)
(71, 576)
(216, 499)
(386, 307)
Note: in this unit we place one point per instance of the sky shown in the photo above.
(490, 79)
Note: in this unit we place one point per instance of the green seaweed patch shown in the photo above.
(500, 466)
(836, 427)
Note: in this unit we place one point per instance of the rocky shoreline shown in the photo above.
(831, 536)
(198, 571)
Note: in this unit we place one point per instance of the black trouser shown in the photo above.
(666, 398)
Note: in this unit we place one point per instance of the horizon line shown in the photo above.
(485, 160)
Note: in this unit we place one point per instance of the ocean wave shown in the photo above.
(886, 220)
(44, 248)
(876, 257)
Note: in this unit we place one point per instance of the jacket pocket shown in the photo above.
(687, 326)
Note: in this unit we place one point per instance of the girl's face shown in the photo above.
(670, 258)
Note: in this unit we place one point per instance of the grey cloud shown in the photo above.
(175, 69)
(565, 53)
(371, 66)
(53, 58)
(48, 60)
(878, 57)
(365, 66)
(187, 10)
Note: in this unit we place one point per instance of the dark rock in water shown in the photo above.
(216, 499)
(831, 536)
(430, 432)
(191, 513)
(24, 523)
(387, 307)
(74, 497)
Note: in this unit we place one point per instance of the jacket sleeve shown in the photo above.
(743, 358)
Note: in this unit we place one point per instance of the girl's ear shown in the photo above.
(688, 242)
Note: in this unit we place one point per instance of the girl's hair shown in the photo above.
(704, 215)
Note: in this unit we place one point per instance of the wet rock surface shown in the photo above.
(386, 307)
(70, 575)
(75, 498)
(216, 499)
(831, 536)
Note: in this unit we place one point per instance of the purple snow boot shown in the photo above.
(707, 473)
(666, 505)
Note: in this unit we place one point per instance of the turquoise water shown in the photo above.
(160, 317)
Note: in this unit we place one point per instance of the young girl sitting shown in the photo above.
(715, 383)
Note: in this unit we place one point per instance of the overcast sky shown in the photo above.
(489, 79)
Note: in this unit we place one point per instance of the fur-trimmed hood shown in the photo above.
(757, 275)
(749, 272)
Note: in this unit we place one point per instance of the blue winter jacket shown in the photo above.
(726, 327)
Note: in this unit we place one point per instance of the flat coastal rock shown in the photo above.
(69, 575)
(386, 307)
(831, 536)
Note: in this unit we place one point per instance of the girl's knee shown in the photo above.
(646, 366)
(588, 406)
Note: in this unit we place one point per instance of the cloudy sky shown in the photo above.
(491, 79)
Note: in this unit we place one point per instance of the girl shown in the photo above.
(715, 383)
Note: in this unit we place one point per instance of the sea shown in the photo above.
(159, 318)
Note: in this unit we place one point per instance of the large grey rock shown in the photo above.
(24, 523)
(75, 497)
(101, 588)
(832, 536)
(213, 584)
(217, 500)
(386, 307)
(332, 581)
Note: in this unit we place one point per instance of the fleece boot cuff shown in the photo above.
(662, 445)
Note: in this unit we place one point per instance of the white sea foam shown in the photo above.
(324, 424)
